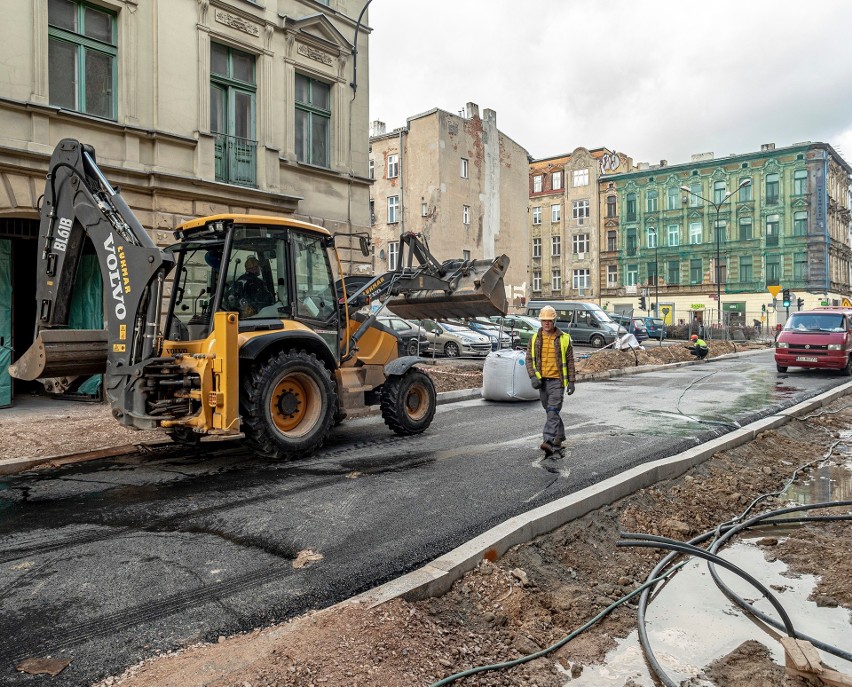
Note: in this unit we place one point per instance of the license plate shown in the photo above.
(806, 359)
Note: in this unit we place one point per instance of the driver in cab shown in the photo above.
(253, 294)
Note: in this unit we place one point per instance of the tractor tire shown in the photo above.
(288, 405)
(597, 341)
(408, 402)
(451, 349)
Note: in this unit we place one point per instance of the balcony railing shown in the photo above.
(236, 160)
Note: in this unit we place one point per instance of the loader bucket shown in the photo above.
(473, 289)
(63, 353)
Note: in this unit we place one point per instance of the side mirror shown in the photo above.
(439, 331)
(364, 242)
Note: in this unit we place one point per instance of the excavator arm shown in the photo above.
(422, 287)
(79, 202)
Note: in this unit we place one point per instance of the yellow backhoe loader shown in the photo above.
(240, 329)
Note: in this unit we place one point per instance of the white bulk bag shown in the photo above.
(504, 377)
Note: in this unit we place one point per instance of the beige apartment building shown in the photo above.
(565, 219)
(194, 107)
(457, 180)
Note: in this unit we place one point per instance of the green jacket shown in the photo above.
(564, 355)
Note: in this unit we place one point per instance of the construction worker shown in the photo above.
(550, 365)
(698, 348)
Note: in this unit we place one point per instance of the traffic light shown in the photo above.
(642, 303)
(800, 302)
(786, 301)
(763, 308)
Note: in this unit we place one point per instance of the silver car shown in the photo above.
(454, 340)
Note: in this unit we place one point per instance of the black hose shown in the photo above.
(762, 520)
(562, 642)
(645, 641)
(651, 541)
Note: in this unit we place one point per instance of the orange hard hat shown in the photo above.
(547, 313)
(694, 337)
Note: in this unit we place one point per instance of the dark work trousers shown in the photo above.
(550, 393)
(699, 353)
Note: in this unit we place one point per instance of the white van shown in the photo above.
(587, 323)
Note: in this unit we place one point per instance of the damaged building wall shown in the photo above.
(461, 184)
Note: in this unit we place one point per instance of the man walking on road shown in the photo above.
(550, 365)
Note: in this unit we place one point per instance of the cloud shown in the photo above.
(654, 79)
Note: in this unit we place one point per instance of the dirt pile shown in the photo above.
(538, 593)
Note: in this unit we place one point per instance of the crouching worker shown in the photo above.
(550, 365)
(698, 348)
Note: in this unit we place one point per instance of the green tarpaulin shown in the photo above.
(86, 310)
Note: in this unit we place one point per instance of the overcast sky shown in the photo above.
(654, 79)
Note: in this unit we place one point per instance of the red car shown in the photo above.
(819, 338)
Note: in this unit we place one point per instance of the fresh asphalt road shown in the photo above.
(109, 561)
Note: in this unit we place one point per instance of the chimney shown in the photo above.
(767, 146)
(377, 128)
(699, 157)
(664, 163)
(471, 110)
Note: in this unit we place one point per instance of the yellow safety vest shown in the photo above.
(564, 342)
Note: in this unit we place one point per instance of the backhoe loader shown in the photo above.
(240, 329)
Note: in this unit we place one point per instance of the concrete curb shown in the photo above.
(436, 578)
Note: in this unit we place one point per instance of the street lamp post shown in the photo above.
(718, 207)
(656, 275)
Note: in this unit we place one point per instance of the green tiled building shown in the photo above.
(729, 227)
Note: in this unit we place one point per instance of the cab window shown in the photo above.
(315, 296)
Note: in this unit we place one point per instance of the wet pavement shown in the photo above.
(111, 561)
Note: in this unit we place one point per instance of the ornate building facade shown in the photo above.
(564, 219)
(738, 227)
(194, 107)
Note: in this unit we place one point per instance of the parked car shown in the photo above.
(820, 338)
(587, 323)
(656, 328)
(633, 325)
(412, 339)
(492, 331)
(520, 326)
(454, 340)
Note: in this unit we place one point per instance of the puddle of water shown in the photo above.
(691, 623)
(827, 482)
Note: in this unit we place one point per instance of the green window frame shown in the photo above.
(745, 191)
(81, 54)
(673, 198)
(313, 121)
(773, 188)
(233, 93)
(674, 272)
(696, 271)
(745, 229)
(746, 273)
(800, 267)
(631, 206)
(674, 234)
(800, 182)
(773, 269)
(800, 223)
(651, 201)
(773, 229)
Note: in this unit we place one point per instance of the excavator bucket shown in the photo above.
(63, 353)
(465, 289)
